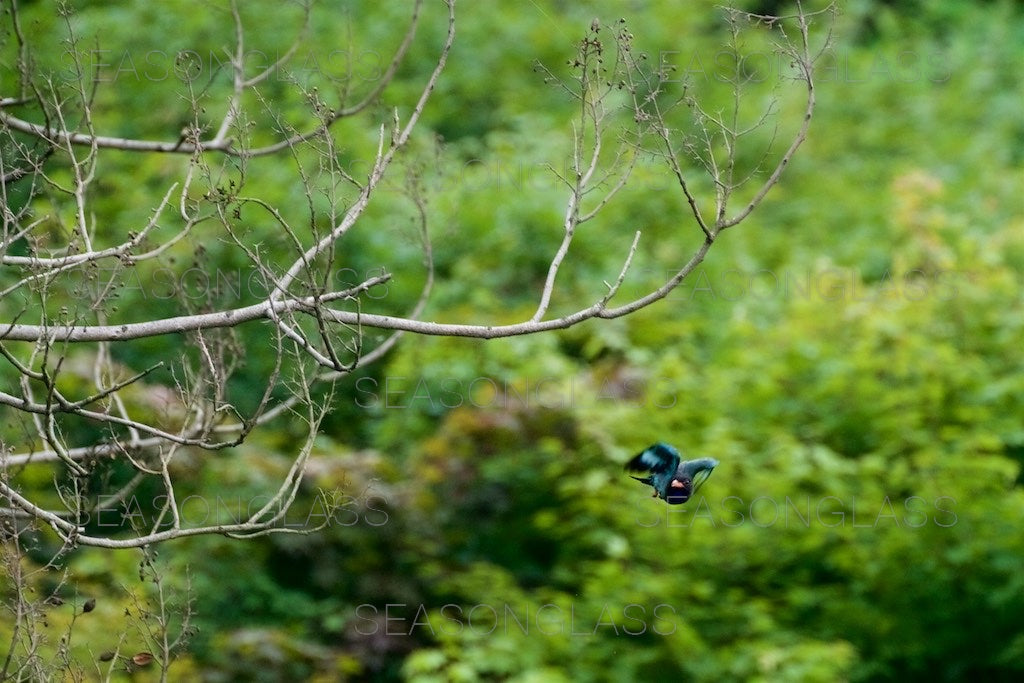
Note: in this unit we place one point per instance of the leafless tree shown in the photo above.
(157, 621)
(73, 407)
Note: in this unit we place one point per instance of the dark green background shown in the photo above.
(851, 354)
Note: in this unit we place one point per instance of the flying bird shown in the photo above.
(674, 480)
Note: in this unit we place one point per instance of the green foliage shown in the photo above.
(851, 355)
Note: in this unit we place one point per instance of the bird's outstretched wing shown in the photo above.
(699, 470)
(657, 459)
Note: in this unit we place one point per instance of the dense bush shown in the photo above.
(851, 356)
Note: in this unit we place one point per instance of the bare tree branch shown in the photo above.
(80, 399)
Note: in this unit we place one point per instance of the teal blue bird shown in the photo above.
(674, 480)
